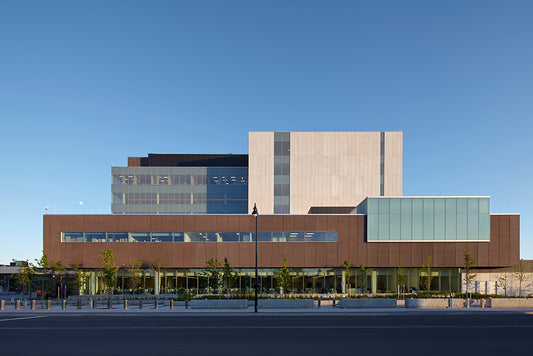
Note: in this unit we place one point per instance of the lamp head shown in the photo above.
(254, 212)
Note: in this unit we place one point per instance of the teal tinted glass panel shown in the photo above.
(484, 227)
(416, 227)
(484, 205)
(372, 206)
(395, 206)
(440, 227)
(439, 219)
(406, 206)
(429, 227)
(429, 206)
(405, 227)
(440, 206)
(473, 206)
(372, 227)
(417, 206)
(451, 227)
(395, 226)
(384, 227)
(473, 227)
(462, 206)
(462, 227)
(451, 206)
(384, 206)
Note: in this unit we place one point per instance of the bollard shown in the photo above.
(17, 304)
(91, 303)
(156, 304)
(451, 303)
(64, 304)
(25, 304)
(79, 303)
(125, 304)
(140, 304)
(172, 304)
(48, 304)
(2, 304)
(482, 302)
(319, 303)
(187, 304)
(33, 304)
(109, 304)
(334, 301)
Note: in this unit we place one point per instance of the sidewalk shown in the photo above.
(165, 310)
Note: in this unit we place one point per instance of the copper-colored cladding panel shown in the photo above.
(134, 161)
(502, 250)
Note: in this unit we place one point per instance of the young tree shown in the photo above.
(156, 267)
(80, 277)
(135, 277)
(503, 282)
(361, 278)
(402, 279)
(425, 281)
(228, 276)
(23, 277)
(109, 270)
(348, 275)
(284, 279)
(48, 272)
(468, 264)
(520, 273)
(213, 272)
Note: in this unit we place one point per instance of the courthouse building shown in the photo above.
(323, 198)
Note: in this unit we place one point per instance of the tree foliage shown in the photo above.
(361, 278)
(425, 280)
(80, 277)
(469, 262)
(214, 273)
(402, 279)
(135, 276)
(109, 270)
(504, 282)
(520, 273)
(284, 279)
(228, 276)
(348, 275)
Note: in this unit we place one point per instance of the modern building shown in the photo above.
(181, 184)
(323, 198)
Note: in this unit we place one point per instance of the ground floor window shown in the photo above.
(301, 281)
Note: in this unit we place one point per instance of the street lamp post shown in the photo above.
(255, 213)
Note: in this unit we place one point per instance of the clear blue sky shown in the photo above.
(85, 84)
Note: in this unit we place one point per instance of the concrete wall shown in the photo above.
(285, 303)
(261, 171)
(367, 303)
(326, 168)
(490, 283)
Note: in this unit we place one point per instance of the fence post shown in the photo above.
(33, 304)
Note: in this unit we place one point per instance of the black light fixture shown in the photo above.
(254, 214)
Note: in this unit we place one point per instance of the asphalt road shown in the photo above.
(474, 334)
